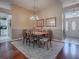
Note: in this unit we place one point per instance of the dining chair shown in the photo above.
(24, 35)
(47, 40)
(34, 39)
(28, 37)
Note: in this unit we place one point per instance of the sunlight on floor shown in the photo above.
(72, 40)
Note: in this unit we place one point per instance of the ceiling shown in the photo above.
(6, 4)
(67, 3)
(42, 4)
(70, 5)
(39, 4)
(29, 4)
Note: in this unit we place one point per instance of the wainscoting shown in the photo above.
(16, 34)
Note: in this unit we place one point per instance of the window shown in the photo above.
(73, 25)
(66, 25)
(71, 14)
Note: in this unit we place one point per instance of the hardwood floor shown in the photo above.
(8, 51)
(69, 51)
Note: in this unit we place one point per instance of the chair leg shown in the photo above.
(26, 41)
(44, 44)
(50, 44)
(47, 46)
(29, 42)
(40, 44)
(23, 40)
(33, 43)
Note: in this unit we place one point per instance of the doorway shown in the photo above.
(5, 27)
(71, 25)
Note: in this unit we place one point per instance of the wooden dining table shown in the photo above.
(36, 36)
(40, 33)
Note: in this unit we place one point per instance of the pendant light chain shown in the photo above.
(34, 17)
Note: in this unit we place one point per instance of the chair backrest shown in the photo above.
(24, 33)
(50, 34)
(29, 33)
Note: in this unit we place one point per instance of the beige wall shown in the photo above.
(54, 10)
(20, 18)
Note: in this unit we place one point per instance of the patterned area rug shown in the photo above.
(39, 53)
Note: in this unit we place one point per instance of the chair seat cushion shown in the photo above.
(44, 39)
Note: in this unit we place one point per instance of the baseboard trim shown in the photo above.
(56, 40)
(17, 39)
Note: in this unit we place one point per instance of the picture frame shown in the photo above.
(40, 23)
(51, 22)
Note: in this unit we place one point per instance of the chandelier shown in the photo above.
(34, 17)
